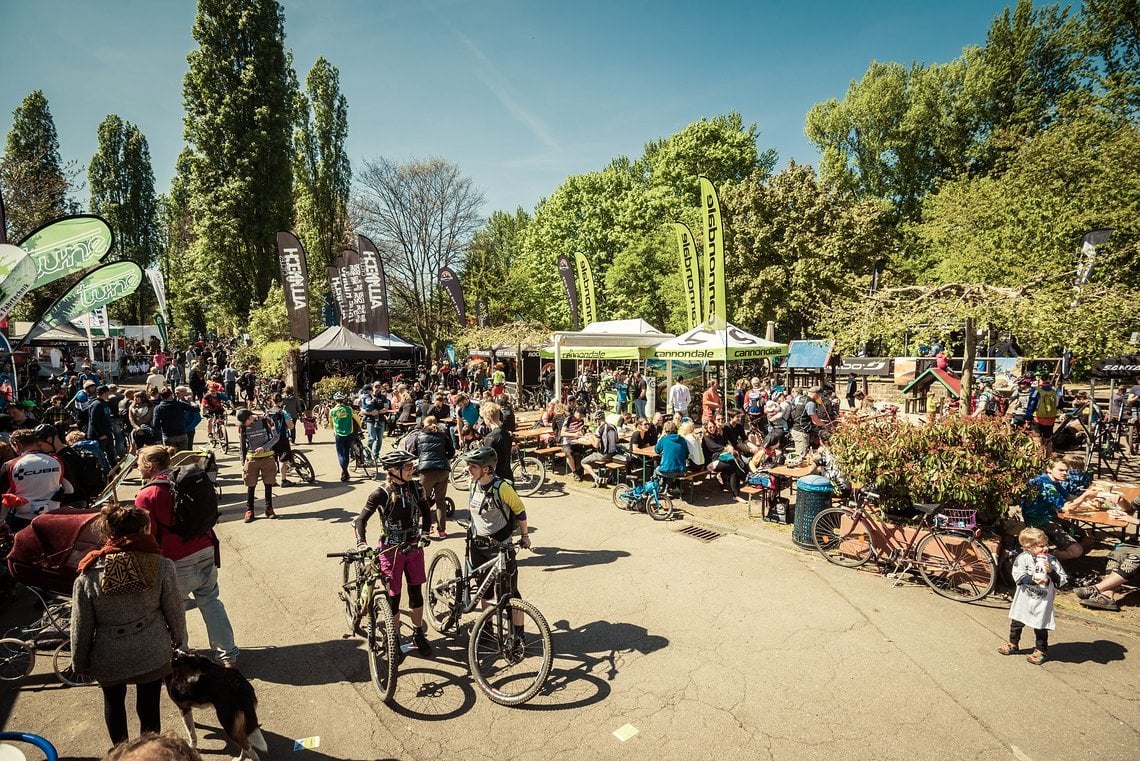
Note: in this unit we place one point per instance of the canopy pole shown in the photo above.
(557, 368)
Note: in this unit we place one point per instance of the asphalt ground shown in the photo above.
(743, 647)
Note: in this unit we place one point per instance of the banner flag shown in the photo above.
(17, 274)
(67, 245)
(376, 285)
(3, 223)
(158, 283)
(295, 283)
(586, 286)
(160, 323)
(715, 311)
(567, 273)
(450, 282)
(354, 306)
(98, 288)
(335, 289)
(690, 273)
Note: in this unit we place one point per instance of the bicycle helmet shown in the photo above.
(600, 415)
(483, 456)
(338, 396)
(397, 458)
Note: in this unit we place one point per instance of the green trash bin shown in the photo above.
(813, 496)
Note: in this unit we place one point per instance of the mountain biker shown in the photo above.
(257, 437)
(344, 427)
(405, 520)
(1043, 407)
(495, 509)
(497, 438)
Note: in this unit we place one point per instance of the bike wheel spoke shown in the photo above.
(510, 662)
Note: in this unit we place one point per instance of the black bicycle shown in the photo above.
(509, 662)
(301, 466)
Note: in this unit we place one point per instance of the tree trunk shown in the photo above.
(967, 369)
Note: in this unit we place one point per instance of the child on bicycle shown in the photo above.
(1037, 575)
(405, 520)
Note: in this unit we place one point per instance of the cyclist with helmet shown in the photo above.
(405, 520)
(344, 425)
(495, 509)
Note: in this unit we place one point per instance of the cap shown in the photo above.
(88, 384)
(101, 390)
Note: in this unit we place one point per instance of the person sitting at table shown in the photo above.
(1047, 495)
(828, 466)
(686, 431)
(656, 425)
(642, 436)
(674, 452)
(735, 434)
(572, 429)
(722, 458)
(606, 448)
(1122, 567)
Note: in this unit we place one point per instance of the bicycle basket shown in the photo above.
(960, 519)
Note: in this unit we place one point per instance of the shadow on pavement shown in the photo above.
(561, 559)
(310, 663)
(1100, 651)
(428, 693)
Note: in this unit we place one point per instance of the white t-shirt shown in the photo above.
(37, 478)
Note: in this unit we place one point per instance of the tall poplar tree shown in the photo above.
(239, 95)
(321, 168)
(32, 178)
(122, 191)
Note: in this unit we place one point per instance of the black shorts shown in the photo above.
(1060, 534)
(1044, 430)
(479, 557)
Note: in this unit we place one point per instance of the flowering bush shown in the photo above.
(326, 387)
(965, 463)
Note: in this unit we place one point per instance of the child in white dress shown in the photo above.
(1037, 575)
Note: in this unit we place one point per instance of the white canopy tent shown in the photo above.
(708, 344)
(613, 339)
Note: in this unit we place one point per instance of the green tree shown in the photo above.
(1110, 35)
(421, 216)
(489, 270)
(185, 283)
(321, 169)
(239, 95)
(34, 181)
(122, 191)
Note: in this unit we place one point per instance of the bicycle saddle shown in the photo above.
(929, 509)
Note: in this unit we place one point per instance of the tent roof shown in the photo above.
(64, 332)
(623, 334)
(339, 341)
(637, 326)
(706, 343)
(932, 374)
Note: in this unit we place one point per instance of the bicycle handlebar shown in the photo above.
(404, 547)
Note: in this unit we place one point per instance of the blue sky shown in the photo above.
(518, 94)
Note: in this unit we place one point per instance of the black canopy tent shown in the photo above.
(329, 352)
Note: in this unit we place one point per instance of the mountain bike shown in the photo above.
(509, 664)
(361, 458)
(50, 632)
(217, 434)
(944, 550)
(301, 466)
(650, 497)
(527, 472)
(364, 594)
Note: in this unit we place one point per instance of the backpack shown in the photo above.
(277, 416)
(1047, 406)
(195, 500)
(84, 472)
(493, 495)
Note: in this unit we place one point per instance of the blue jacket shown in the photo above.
(170, 417)
(674, 453)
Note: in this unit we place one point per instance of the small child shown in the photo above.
(310, 423)
(1037, 575)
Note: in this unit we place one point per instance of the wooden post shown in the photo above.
(967, 369)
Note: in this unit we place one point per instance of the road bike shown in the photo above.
(51, 632)
(364, 598)
(217, 434)
(944, 550)
(509, 663)
(650, 497)
(527, 472)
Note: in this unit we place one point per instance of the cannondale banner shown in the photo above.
(98, 288)
(17, 274)
(295, 283)
(690, 273)
(67, 245)
(450, 282)
(715, 311)
(586, 286)
(353, 295)
(566, 270)
(376, 286)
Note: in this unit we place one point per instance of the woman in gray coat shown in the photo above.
(127, 616)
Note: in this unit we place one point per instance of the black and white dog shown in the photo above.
(197, 682)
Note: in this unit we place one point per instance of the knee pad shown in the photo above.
(394, 602)
(415, 597)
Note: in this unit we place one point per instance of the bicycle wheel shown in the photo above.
(303, 468)
(350, 573)
(443, 591)
(510, 665)
(17, 659)
(383, 646)
(957, 567)
(840, 538)
(224, 435)
(448, 506)
(622, 497)
(659, 506)
(529, 475)
(61, 664)
(459, 477)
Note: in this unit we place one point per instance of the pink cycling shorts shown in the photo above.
(395, 565)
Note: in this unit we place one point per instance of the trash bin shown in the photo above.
(813, 496)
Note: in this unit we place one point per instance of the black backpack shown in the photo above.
(85, 473)
(195, 500)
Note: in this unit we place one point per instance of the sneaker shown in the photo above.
(577, 476)
(269, 513)
(1085, 592)
(285, 483)
(419, 636)
(248, 516)
(344, 475)
(441, 535)
(1101, 602)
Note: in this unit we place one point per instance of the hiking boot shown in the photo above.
(248, 516)
(1101, 602)
(269, 513)
(1085, 592)
(419, 636)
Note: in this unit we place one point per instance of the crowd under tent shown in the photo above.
(402, 354)
(608, 340)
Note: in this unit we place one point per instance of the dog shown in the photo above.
(197, 682)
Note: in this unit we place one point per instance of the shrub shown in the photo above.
(329, 385)
(271, 358)
(965, 463)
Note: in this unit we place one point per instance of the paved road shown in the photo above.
(735, 649)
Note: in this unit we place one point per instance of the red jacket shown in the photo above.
(158, 500)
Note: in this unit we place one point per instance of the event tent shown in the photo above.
(718, 345)
(613, 339)
(338, 342)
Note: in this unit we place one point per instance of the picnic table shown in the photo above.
(646, 454)
(1100, 519)
(532, 434)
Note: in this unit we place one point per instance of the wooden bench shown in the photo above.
(752, 491)
(692, 479)
(551, 455)
(614, 471)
